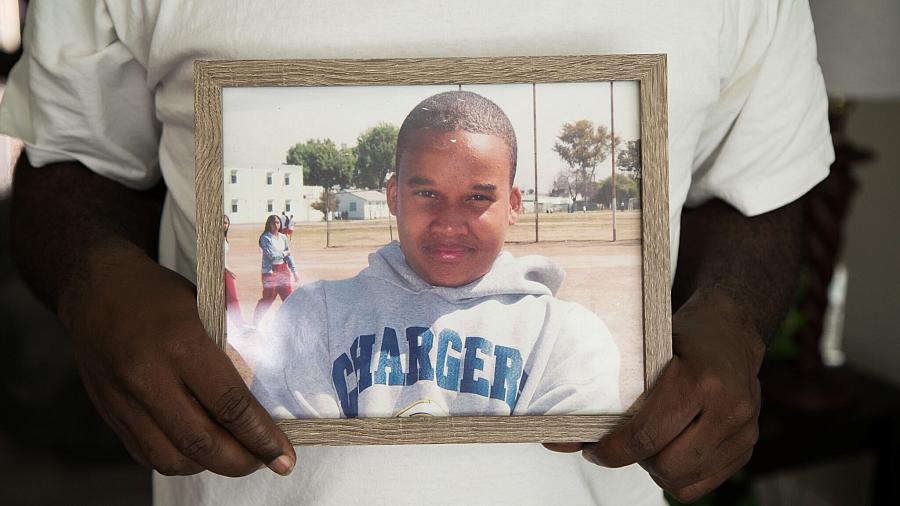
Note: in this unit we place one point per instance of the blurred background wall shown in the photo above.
(859, 50)
(872, 251)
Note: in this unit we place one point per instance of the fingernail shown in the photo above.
(593, 458)
(283, 465)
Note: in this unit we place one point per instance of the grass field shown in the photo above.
(553, 227)
(602, 275)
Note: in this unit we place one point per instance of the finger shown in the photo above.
(716, 437)
(564, 447)
(131, 445)
(218, 387)
(699, 489)
(93, 386)
(195, 435)
(667, 410)
(690, 459)
(158, 450)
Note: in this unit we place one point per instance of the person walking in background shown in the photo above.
(287, 226)
(277, 267)
(232, 304)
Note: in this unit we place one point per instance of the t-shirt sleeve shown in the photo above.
(766, 140)
(582, 373)
(79, 93)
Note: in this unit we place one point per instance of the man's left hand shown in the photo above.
(698, 425)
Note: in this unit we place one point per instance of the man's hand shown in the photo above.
(170, 393)
(173, 397)
(699, 423)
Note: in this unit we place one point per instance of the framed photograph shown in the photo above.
(446, 250)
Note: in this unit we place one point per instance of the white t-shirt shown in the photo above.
(110, 84)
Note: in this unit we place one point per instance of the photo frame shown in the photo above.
(212, 78)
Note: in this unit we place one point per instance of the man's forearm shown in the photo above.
(750, 263)
(698, 424)
(137, 339)
(63, 211)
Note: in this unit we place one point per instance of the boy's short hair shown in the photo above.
(459, 110)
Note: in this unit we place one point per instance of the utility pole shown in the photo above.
(327, 217)
(537, 214)
(384, 183)
(612, 143)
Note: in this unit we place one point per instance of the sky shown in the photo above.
(261, 124)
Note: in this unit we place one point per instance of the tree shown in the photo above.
(626, 188)
(564, 185)
(331, 199)
(583, 147)
(324, 164)
(375, 156)
(628, 159)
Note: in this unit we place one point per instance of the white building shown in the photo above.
(309, 195)
(254, 192)
(545, 204)
(362, 205)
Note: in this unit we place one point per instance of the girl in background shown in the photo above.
(277, 267)
(232, 304)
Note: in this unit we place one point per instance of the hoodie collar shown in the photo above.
(527, 275)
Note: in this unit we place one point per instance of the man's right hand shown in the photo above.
(173, 397)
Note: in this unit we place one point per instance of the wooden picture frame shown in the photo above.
(648, 70)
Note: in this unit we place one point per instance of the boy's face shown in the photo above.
(453, 202)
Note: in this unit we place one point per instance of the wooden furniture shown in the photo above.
(790, 438)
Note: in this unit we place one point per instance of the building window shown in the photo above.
(269, 179)
(234, 205)
(234, 177)
(287, 206)
(269, 206)
(287, 179)
(353, 207)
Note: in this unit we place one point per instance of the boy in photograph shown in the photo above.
(443, 322)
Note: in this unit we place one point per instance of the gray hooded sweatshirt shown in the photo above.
(386, 343)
